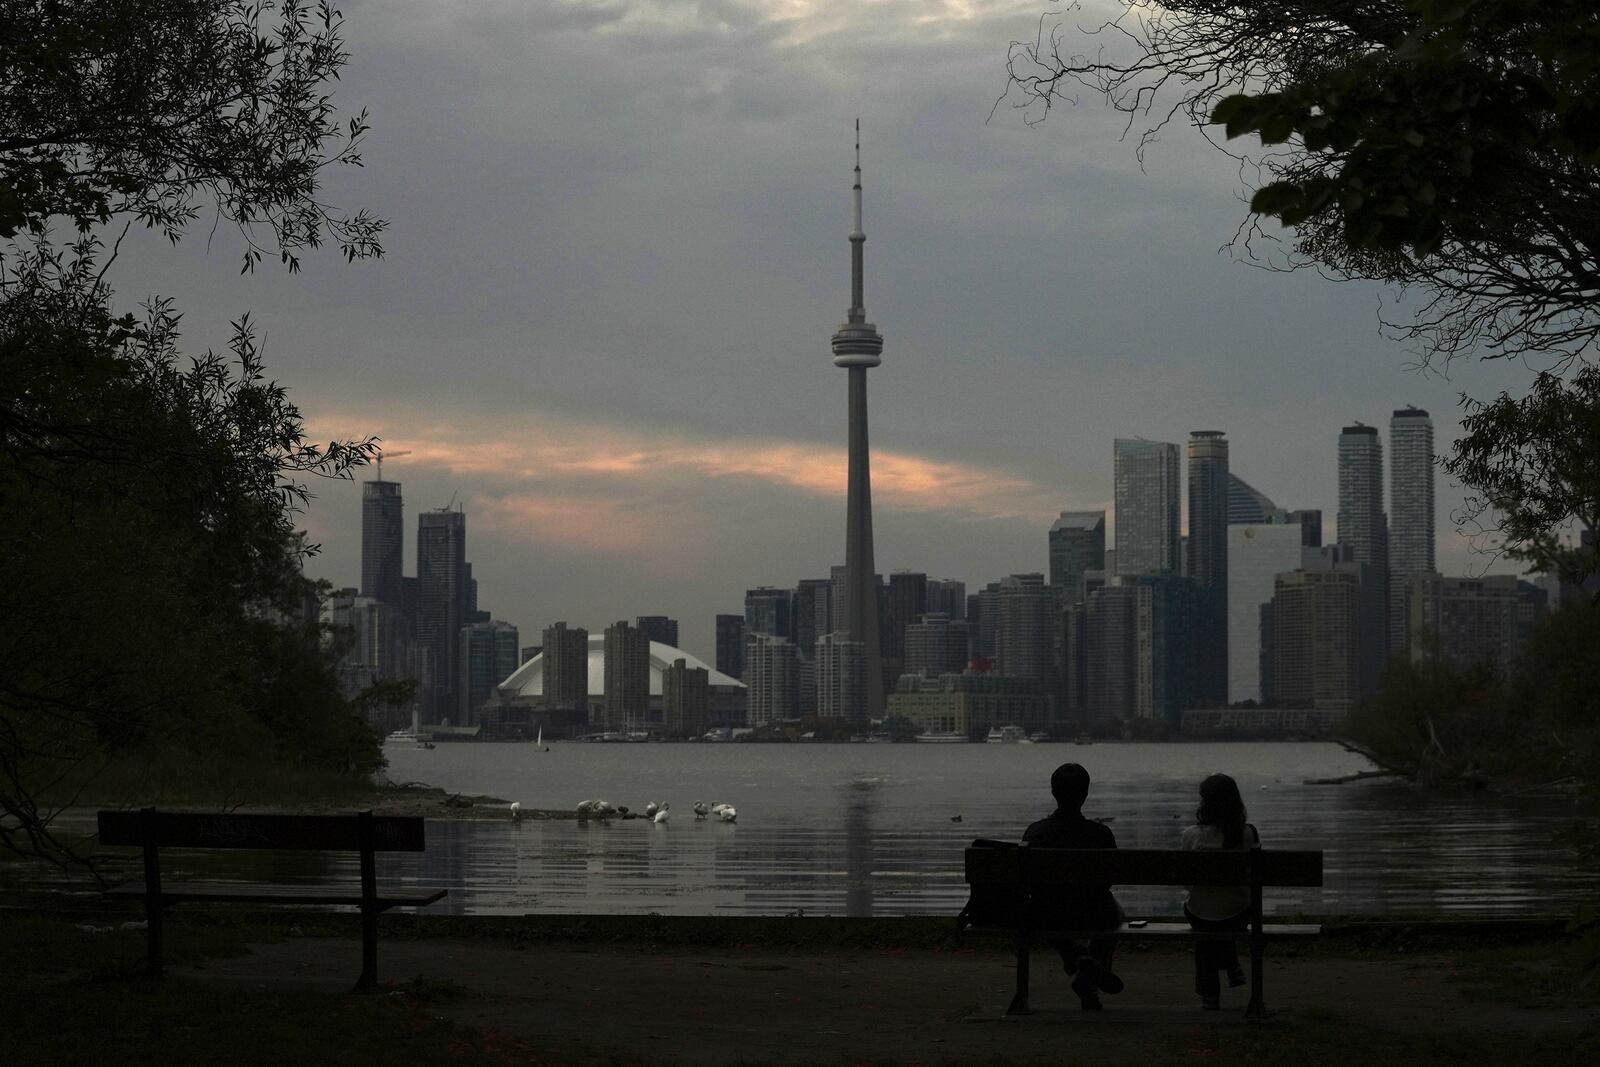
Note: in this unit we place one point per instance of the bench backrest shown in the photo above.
(1142, 866)
(209, 829)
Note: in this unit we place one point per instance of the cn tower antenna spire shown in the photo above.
(858, 239)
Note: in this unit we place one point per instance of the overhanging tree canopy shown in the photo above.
(1450, 145)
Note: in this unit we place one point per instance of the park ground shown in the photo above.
(275, 988)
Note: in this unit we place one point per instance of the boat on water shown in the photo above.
(941, 738)
(1007, 735)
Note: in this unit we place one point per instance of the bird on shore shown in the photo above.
(955, 818)
(516, 811)
(725, 812)
(650, 809)
(700, 810)
(662, 814)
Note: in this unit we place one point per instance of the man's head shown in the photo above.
(1070, 786)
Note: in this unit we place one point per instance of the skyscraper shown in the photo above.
(1363, 526)
(566, 667)
(769, 610)
(1208, 562)
(442, 599)
(730, 645)
(1411, 537)
(627, 671)
(1147, 506)
(1257, 554)
(857, 346)
(773, 676)
(908, 601)
(1077, 544)
(487, 657)
(383, 540)
(659, 628)
(1025, 643)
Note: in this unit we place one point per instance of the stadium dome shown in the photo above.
(527, 681)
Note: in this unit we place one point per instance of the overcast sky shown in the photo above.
(618, 251)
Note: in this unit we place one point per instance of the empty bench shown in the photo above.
(361, 832)
(1016, 888)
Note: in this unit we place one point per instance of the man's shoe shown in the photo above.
(1102, 976)
(1088, 996)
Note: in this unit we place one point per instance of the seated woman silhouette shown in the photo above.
(1219, 823)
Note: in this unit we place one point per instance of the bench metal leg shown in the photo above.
(1019, 1000)
(1258, 939)
(153, 901)
(368, 982)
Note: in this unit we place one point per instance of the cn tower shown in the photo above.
(857, 346)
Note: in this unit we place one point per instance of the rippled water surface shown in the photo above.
(869, 829)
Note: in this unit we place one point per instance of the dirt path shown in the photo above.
(726, 1007)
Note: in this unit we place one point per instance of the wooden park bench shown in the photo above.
(1018, 884)
(361, 832)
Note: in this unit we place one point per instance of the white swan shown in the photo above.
(650, 809)
(662, 814)
(516, 811)
(700, 810)
(727, 814)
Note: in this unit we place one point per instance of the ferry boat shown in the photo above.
(944, 738)
(1007, 735)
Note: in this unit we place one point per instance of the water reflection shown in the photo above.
(866, 830)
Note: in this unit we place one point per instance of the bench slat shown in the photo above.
(1142, 866)
(264, 830)
(173, 892)
(1157, 930)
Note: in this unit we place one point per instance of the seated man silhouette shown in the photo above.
(1081, 907)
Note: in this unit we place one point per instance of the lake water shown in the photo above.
(868, 829)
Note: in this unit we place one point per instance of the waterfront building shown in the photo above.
(841, 678)
(563, 669)
(685, 699)
(1315, 639)
(1247, 505)
(1206, 552)
(772, 668)
(730, 645)
(1074, 687)
(908, 601)
(627, 685)
(769, 610)
(1257, 554)
(1164, 624)
(1147, 506)
(1411, 517)
(487, 656)
(382, 541)
(442, 600)
(857, 347)
(949, 596)
(1363, 526)
(1025, 642)
(971, 704)
(983, 615)
(659, 628)
(1469, 622)
(813, 613)
(935, 645)
(1110, 651)
(1077, 543)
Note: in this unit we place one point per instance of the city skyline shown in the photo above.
(597, 322)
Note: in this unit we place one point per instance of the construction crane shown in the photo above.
(381, 454)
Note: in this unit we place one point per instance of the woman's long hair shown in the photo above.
(1222, 806)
